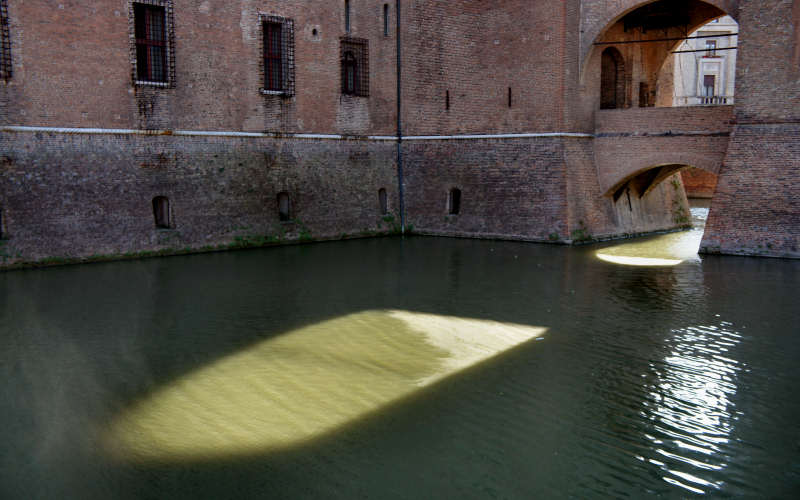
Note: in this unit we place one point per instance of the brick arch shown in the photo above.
(667, 165)
(598, 15)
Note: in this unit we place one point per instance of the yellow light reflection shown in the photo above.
(302, 384)
(637, 261)
(663, 250)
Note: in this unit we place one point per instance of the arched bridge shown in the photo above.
(643, 146)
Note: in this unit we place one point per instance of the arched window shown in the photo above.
(454, 201)
(350, 74)
(161, 211)
(284, 207)
(612, 79)
(382, 200)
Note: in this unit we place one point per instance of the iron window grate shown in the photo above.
(277, 65)
(354, 56)
(5, 42)
(152, 34)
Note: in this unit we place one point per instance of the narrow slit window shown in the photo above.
(151, 42)
(509, 97)
(383, 201)
(447, 100)
(454, 201)
(284, 207)
(161, 211)
(347, 16)
(386, 19)
(350, 74)
(1, 224)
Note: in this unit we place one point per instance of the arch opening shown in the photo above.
(612, 79)
(638, 53)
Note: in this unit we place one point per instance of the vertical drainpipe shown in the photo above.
(400, 127)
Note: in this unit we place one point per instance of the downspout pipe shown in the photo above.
(400, 191)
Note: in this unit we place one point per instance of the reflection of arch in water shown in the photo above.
(612, 79)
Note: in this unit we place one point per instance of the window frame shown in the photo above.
(358, 48)
(286, 87)
(168, 43)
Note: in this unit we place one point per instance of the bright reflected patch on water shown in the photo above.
(637, 261)
(305, 383)
(692, 405)
(663, 250)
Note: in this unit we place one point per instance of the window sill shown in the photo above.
(281, 93)
(146, 83)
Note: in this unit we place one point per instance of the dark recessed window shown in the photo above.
(5, 42)
(711, 48)
(284, 207)
(355, 66)
(386, 19)
(161, 211)
(382, 200)
(447, 100)
(278, 35)
(151, 42)
(454, 201)
(709, 82)
(347, 16)
(509, 97)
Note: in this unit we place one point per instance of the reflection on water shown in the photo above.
(662, 250)
(304, 383)
(401, 368)
(692, 405)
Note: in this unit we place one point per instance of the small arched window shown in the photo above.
(284, 207)
(161, 211)
(612, 79)
(454, 201)
(350, 76)
(382, 200)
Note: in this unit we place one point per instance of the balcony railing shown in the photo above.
(715, 100)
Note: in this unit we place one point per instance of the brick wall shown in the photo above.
(699, 183)
(756, 207)
(85, 79)
(77, 195)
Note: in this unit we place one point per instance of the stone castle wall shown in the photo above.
(519, 73)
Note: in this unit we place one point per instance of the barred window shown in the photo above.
(278, 54)
(153, 40)
(151, 46)
(5, 42)
(355, 66)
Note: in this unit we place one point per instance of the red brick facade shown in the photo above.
(522, 73)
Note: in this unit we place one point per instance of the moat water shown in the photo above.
(404, 368)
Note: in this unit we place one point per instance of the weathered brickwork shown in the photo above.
(756, 207)
(699, 183)
(525, 67)
(510, 188)
(77, 195)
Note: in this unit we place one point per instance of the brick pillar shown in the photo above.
(756, 207)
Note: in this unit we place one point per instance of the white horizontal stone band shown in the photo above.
(223, 133)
